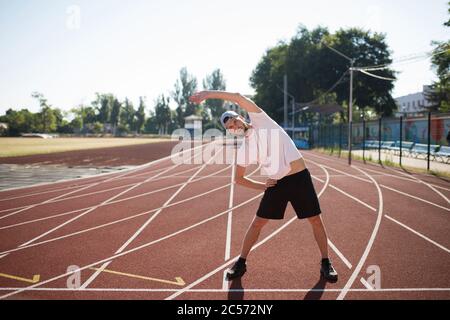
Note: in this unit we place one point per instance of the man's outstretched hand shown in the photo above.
(199, 97)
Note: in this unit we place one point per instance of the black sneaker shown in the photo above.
(327, 271)
(237, 271)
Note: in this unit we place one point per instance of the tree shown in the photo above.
(22, 121)
(151, 125)
(47, 119)
(115, 114)
(439, 95)
(163, 114)
(214, 81)
(312, 69)
(103, 105)
(185, 87)
(127, 116)
(140, 115)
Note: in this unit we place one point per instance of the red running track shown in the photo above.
(167, 231)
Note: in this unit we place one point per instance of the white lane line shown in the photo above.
(108, 201)
(230, 214)
(388, 217)
(101, 204)
(230, 217)
(418, 234)
(366, 284)
(113, 202)
(142, 228)
(86, 212)
(428, 185)
(141, 247)
(121, 290)
(406, 178)
(361, 262)
(66, 188)
(176, 174)
(229, 262)
(414, 197)
(118, 221)
(39, 193)
(101, 175)
(121, 174)
(340, 255)
(386, 187)
(229, 224)
(54, 199)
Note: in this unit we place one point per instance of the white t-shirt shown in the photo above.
(269, 145)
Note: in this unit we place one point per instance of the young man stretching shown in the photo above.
(267, 144)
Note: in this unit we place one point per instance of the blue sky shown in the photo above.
(69, 50)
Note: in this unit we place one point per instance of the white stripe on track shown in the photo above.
(388, 217)
(117, 221)
(376, 228)
(253, 290)
(229, 262)
(95, 207)
(114, 202)
(131, 250)
(146, 223)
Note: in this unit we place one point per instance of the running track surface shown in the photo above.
(166, 231)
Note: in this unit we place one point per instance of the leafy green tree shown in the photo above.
(151, 125)
(127, 116)
(47, 119)
(140, 115)
(163, 115)
(115, 114)
(214, 81)
(185, 87)
(103, 104)
(311, 68)
(439, 94)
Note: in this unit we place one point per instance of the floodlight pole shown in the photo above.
(350, 103)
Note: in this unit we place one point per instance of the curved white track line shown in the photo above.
(369, 244)
(176, 174)
(425, 183)
(116, 201)
(148, 221)
(103, 174)
(131, 250)
(226, 264)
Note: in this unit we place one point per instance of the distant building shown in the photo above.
(413, 105)
(3, 128)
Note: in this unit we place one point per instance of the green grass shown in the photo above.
(12, 147)
(387, 162)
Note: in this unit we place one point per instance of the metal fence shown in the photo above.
(417, 141)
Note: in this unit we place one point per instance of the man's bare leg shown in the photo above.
(327, 270)
(252, 235)
(320, 235)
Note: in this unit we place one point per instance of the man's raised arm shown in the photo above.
(243, 102)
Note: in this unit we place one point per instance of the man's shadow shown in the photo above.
(236, 291)
(317, 291)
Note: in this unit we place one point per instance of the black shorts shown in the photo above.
(297, 189)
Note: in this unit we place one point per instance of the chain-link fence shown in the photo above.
(415, 142)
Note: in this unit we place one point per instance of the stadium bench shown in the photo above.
(422, 150)
(443, 153)
(406, 147)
